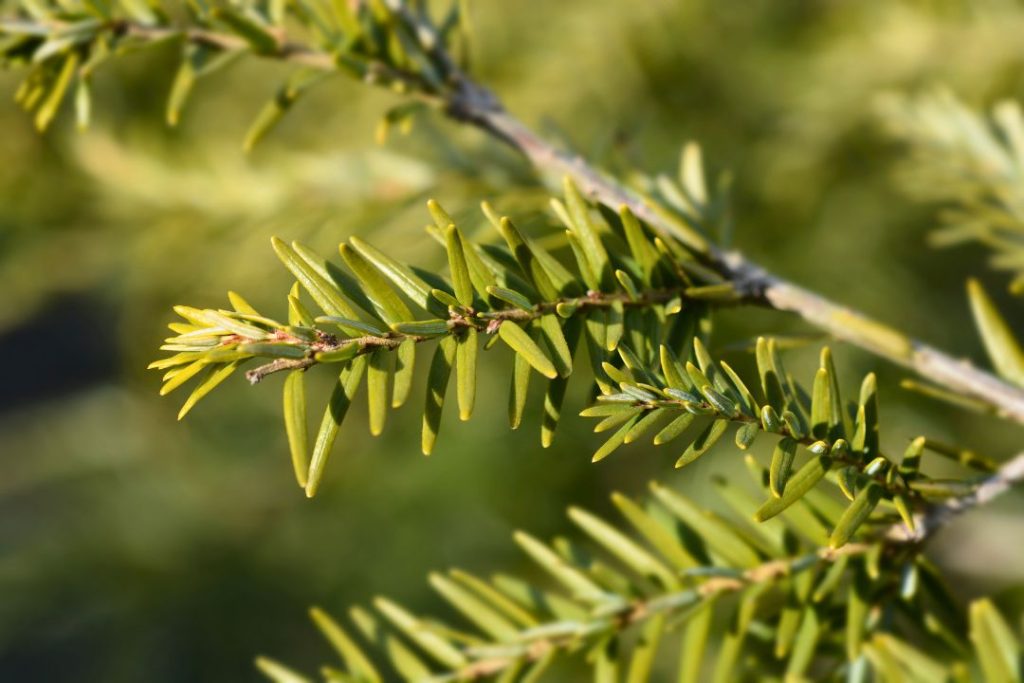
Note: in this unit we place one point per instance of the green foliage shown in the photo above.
(649, 294)
(837, 437)
(1003, 348)
(811, 576)
(820, 576)
(391, 44)
(741, 601)
(522, 296)
(969, 163)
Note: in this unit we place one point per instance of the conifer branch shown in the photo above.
(428, 73)
(835, 545)
(659, 576)
(424, 69)
(523, 296)
(668, 605)
(628, 286)
(841, 322)
(399, 47)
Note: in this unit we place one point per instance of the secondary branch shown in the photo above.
(841, 322)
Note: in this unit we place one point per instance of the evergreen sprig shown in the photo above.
(774, 603)
(649, 298)
(523, 297)
(837, 436)
(627, 286)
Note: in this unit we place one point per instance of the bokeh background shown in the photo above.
(135, 547)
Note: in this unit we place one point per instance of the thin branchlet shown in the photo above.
(459, 320)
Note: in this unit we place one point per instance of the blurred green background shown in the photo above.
(134, 547)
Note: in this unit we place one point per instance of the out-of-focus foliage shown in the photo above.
(135, 544)
(971, 163)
